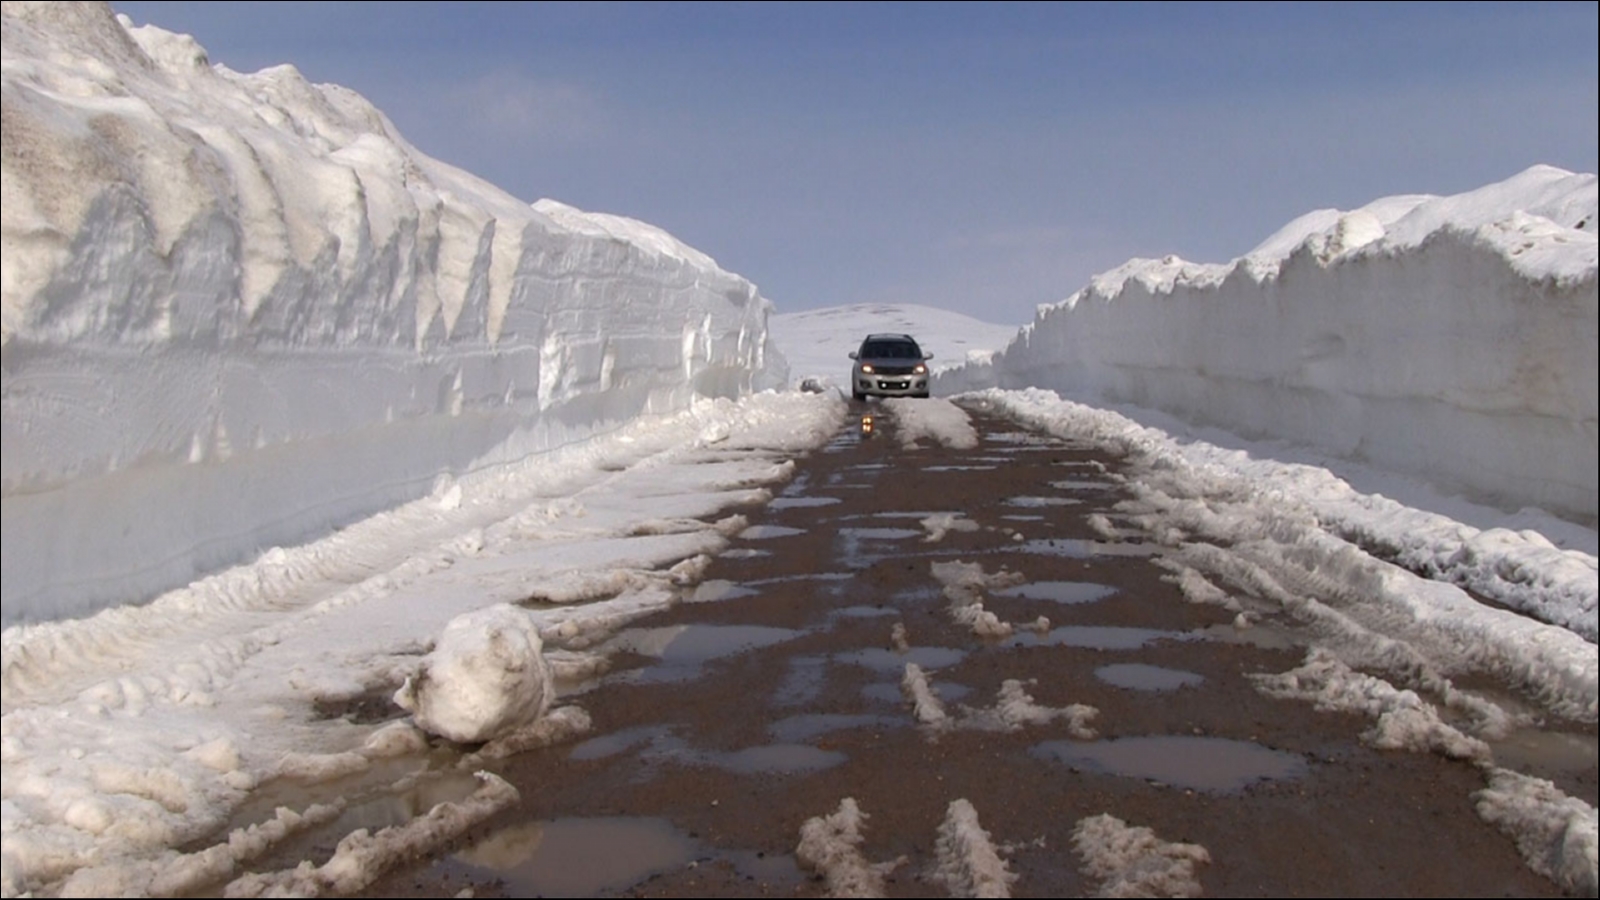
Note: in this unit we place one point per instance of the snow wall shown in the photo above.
(241, 311)
(1449, 338)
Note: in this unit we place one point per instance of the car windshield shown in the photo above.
(891, 350)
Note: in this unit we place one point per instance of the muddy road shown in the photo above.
(958, 645)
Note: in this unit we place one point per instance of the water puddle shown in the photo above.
(803, 682)
(718, 589)
(1141, 677)
(1262, 636)
(623, 741)
(745, 553)
(1059, 591)
(894, 662)
(1073, 548)
(801, 502)
(1082, 484)
(1036, 502)
(1095, 637)
(683, 649)
(888, 692)
(579, 857)
(1527, 750)
(798, 486)
(864, 612)
(772, 759)
(1022, 518)
(768, 532)
(976, 468)
(1198, 763)
(854, 543)
(799, 729)
(878, 534)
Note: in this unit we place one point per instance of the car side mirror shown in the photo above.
(927, 356)
(853, 354)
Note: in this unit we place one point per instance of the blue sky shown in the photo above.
(979, 157)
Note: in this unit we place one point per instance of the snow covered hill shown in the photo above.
(1451, 338)
(240, 311)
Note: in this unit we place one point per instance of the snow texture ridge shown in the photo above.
(1449, 338)
(189, 252)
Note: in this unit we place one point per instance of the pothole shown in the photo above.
(578, 857)
(1199, 763)
(680, 650)
(1059, 591)
(1142, 677)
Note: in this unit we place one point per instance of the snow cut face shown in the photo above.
(241, 311)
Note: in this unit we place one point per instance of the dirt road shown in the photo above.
(1112, 705)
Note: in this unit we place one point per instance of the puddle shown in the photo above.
(1035, 502)
(1022, 518)
(1198, 763)
(682, 649)
(772, 759)
(892, 662)
(780, 871)
(579, 857)
(810, 576)
(617, 742)
(1095, 637)
(801, 502)
(1059, 591)
(799, 729)
(1263, 636)
(878, 534)
(864, 612)
(798, 485)
(803, 683)
(1073, 548)
(959, 468)
(745, 553)
(1526, 750)
(718, 589)
(1141, 677)
(1082, 484)
(853, 541)
(768, 532)
(889, 692)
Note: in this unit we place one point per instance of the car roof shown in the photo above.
(891, 337)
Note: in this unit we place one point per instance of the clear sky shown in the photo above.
(981, 157)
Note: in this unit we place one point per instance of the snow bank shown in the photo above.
(241, 311)
(1452, 338)
(1131, 861)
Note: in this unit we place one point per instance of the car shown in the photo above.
(889, 365)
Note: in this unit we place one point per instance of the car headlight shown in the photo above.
(921, 369)
(866, 369)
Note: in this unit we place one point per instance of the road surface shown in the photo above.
(1083, 729)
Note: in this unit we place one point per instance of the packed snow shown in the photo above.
(295, 416)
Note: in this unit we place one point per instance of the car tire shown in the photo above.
(922, 396)
(858, 395)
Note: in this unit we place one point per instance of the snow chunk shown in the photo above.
(486, 677)
(830, 846)
(1558, 835)
(1133, 862)
(969, 864)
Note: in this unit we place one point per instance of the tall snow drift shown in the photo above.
(1452, 338)
(240, 311)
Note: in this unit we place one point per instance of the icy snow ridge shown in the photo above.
(190, 253)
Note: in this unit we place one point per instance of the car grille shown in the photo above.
(893, 370)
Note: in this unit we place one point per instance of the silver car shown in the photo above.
(889, 365)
